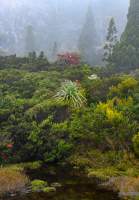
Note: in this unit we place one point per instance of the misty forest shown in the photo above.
(69, 99)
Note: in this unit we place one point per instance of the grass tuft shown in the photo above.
(12, 180)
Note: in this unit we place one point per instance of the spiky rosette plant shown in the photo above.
(72, 94)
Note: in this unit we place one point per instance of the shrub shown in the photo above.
(12, 180)
(104, 173)
(31, 165)
(135, 141)
(126, 87)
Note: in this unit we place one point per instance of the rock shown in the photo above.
(13, 194)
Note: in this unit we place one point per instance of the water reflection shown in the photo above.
(73, 187)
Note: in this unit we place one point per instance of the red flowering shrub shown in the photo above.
(9, 146)
(6, 153)
(69, 58)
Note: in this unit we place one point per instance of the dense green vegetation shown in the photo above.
(46, 118)
(80, 115)
(126, 51)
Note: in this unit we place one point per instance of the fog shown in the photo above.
(55, 21)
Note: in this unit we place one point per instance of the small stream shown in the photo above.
(73, 187)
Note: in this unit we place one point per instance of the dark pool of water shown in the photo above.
(73, 186)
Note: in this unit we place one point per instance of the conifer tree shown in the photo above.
(41, 55)
(88, 39)
(111, 41)
(131, 33)
(126, 53)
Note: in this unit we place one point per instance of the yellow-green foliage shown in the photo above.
(26, 165)
(128, 84)
(49, 189)
(16, 167)
(57, 127)
(135, 141)
(95, 158)
(31, 165)
(38, 185)
(104, 173)
(106, 165)
(109, 111)
(123, 103)
(46, 122)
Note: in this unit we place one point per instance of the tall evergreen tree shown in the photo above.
(30, 40)
(111, 41)
(41, 55)
(88, 39)
(126, 53)
(131, 33)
